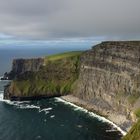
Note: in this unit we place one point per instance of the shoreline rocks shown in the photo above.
(120, 120)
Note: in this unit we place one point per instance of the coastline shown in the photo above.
(84, 106)
(1, 78)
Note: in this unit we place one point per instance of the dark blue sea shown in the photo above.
(47, 119)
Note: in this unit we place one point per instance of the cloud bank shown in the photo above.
(54, 19)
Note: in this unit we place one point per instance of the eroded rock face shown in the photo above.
(110, 77)
(21, 66)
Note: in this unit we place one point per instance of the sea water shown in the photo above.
(47, 119)
(50, 119)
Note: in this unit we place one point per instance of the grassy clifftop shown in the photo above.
(55, 77)
(62, 55)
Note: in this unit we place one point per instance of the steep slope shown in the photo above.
(110, 80)
(20, 66)
(53, 78)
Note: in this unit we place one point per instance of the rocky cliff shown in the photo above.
(36, 78)
(20, 66)
(110, 80)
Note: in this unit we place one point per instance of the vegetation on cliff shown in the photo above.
(63, 55)
(55, 77)
(134, 133)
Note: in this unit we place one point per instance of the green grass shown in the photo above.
(134, 133)
(63, 55)
(21, 88)
(137, 112)
(133, 98)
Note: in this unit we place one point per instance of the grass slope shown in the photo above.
(62, 55)
(55, 77)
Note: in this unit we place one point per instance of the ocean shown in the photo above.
(47, 119)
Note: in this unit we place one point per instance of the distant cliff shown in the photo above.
(20, 66)
(107, 76)
(48, 77)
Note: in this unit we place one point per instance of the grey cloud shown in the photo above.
(45, 19)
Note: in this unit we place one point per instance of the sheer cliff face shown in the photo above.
(21, 66)
(110, 77)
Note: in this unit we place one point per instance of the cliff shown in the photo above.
(107, 77)
(50, 77)
(110, 80)
(20, 66)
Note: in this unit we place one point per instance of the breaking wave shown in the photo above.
(100, 118)
(29, 105)
(24, 104)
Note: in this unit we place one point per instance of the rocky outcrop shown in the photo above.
(20, 66)
(110, 79)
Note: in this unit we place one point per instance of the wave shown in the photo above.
(1, 77)
(100, 118)
(1, 95)
(112, 130)
(24, 104)
(27, 105)
(45, 109)
(3, 80)
(52, 116)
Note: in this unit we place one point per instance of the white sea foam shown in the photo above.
(100, 118)
(112, 130)
(3, 80)
(24, 104)
(1, 95)
(27, 106)
(47, 112)
(19, 104)
(52, 116)
(45, 109)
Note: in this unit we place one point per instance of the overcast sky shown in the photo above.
(60, 19)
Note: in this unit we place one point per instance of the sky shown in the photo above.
(68, 20)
